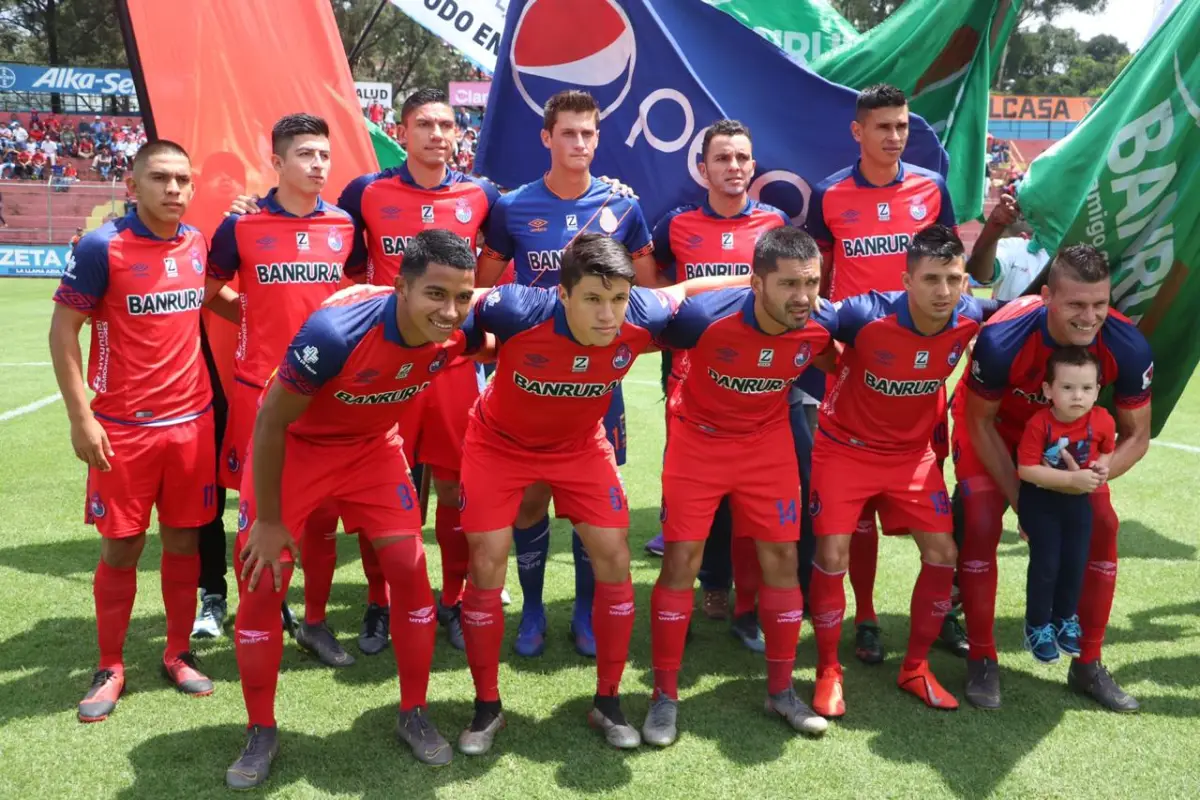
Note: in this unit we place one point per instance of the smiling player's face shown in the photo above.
(1075, 310)
(436, 303)
(595, 311)
(789, 294)
(935, 286)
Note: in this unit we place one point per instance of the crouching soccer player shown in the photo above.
(326, 434)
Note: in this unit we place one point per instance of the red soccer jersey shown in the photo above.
(693, 241)
(144, 295)
(1045, 437)
(1008, 364)
(550, 392)
(886, 388)
(867, 228)
(389, 208)
(350, 357)
(286, 267)
(739, 377)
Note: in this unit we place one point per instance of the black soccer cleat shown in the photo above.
(1094, 680)
(253, 767)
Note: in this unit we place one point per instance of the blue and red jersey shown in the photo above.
(694, 241)
(890, 376)
(144, 296)
(1046, 437)
(351, 359)
(739, 376)
(866, 229)
(532, 225)
(1008, 363)
(286, 267)
(389, 208)
(549, 391)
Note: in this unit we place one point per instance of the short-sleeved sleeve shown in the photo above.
(689, 323)
(650, 309)
(1029, 452)
(498, 242)
(1105, 430)
(507, 310)
(489, 191)
(316, 355)
(990, 363)
(855, 313)
(978, 308)
(351, 202)
(223, 258)
(946, 206)
(86, 277)
(1135, 362)
(826, 316)
(473, 333)
(638, 240)
(814, 220)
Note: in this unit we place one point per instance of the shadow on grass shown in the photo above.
(1136, 540)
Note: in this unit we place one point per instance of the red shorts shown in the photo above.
(365, 482)
(444, 421)
(239, 430)
(584, 481)
(171, 468)
(758, 473)
(940, 441)
(906, 489)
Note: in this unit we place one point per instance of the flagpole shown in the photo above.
(362, 37)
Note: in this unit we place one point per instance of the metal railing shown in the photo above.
(49, 211)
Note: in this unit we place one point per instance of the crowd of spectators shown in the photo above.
(47, 149)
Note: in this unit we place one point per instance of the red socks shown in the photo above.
(318, 553)
(413, 620)
(455, 554)
(864, 559)
(114, 589)
(377, 585)
(747, 575)
(827, 598)
(483, 630)
(179, 576)
(780, 612)
(670, 612)
(612, 623)
(929, 606)
(1100, 578)
(259, 644)
(983, 516)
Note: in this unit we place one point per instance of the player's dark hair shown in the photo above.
(722, 127)
(1070, 357)
(570, 100)
(293, 125)
(436, 246)
(937, 242)
(595, 254)
(880, 95)
(154, 148)
(783, 242)
(1079, 262)
(421, 97)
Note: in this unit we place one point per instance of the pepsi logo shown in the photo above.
(598, 56)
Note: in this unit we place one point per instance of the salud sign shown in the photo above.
(368, 92)
(469, 93)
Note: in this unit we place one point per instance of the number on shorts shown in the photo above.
(941, 502)
(615, 498)
(406, 497)
(787, 511)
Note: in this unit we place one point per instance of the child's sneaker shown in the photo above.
(1067, 634)
(1040, 642)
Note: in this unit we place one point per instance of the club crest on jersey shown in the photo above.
(301, 240)
(231, 460)
(814, 503)
(462, 210)
(427, 215)
(623, 357)
(766, 357)
(172, 269)
(197, 262)
(884, 211)
(439, 361)
(955, 355)
(96, 506)
(608, 221)
(572, 222)
(243, 516)
(727, 240)
(493, 297)
(1148, 377)
(918, 211)
(335, 241)
(922, 359)
(580, 364)
(803, 354)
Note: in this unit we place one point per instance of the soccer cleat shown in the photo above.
(319, 641)
(288, 619)
(953, 638)
(612, 723)
(450, 618)
(531, 633)
(983, 684)
(920, 681)
(1040, 641)
(802, 718)
(581, 635)
(100, 700)
(745, 629)
(1094, 680)
(716, 604)
(656, 546)
(868, 643)
(828, 699)
(478, 737)
(373, 637)
(1066, 635)
(182, 673)
(505, 598)
(210, 621)
(428, 746)
(659, 728)
(253, 766)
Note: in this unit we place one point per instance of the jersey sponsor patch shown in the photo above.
(750, 385)
(766, 357)
(563, 388)
(381, 398)
(170, 302)
(298, 272)
(302, 240)
(895, 388)
(579, 364)
(888, 245)
(714, 269)
(427, 215)
(921, 360)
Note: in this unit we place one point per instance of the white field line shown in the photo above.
(27, 409)
(26, 364)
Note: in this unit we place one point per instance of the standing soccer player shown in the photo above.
(532, 225)
(1003, 391)
(288, 259)
(326, 433)
(864, 218)
(147, 436)
(745, 348)
(873, 446)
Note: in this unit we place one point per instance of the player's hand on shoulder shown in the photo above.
(244, 204)
(619, 188)
(90, 441)
(265, 548)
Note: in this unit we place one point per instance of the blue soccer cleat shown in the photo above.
(656, 546)
(531, 633)
(582, 636)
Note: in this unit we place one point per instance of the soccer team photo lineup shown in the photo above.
(431, 345)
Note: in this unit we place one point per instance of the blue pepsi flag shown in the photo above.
(662, 71)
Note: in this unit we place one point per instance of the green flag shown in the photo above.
(804, 29)
(943, 56)
(387, 150)
(1127, 180)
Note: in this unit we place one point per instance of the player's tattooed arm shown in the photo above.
(88, 437)
(1133, 439)
(990, 446)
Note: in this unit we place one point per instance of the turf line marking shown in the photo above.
(26, 363)
(34, 406)
(636, 382)
(1176, 446)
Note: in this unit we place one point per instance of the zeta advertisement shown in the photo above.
(33, 260)
(65, 80)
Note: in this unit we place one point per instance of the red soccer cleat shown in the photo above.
(828, 700)
(101, 699)
(181, 671)
(920, 682)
